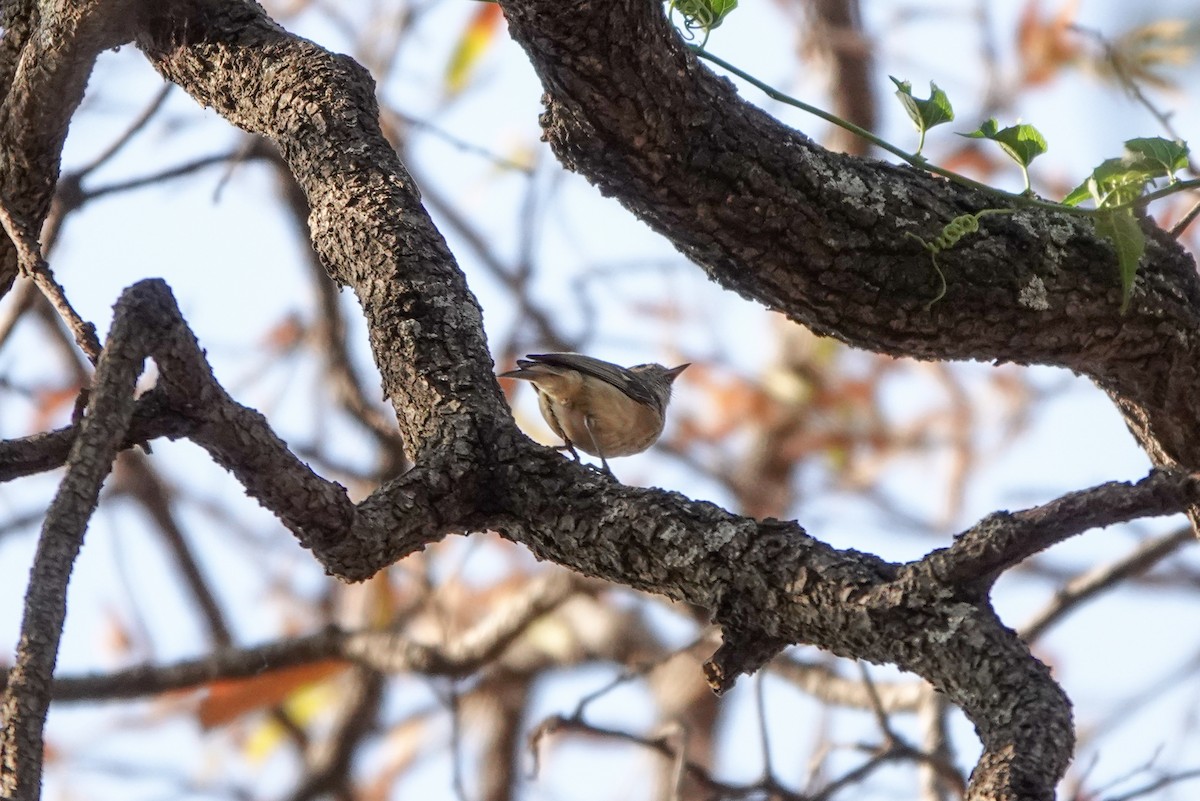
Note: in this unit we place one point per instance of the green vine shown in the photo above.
(953, 231)
(1117, 187)
(701, 15)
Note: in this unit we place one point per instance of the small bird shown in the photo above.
(601, 408)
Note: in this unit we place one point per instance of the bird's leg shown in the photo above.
(587, 423)
(568, 446)
(548, 408)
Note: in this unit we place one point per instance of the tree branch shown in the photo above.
(820, 236)
(1002, 540)
(381, 651)
(763, 211)
(27, 697)
(45, 53)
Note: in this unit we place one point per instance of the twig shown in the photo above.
(134, 127)
(1183, 222)
(1105, 577)
(382, 651)
(881, 718)
(764, 739)
(35, 267)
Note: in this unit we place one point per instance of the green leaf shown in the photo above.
(925, 113)
(1115, 181)
(704, 14)
(723, 8)
(1161, 158)
(1122, 229)
(1124, 179)
(1078, 194)
(1023, 143)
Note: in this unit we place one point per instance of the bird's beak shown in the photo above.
(675, 371)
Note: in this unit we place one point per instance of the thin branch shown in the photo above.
(35, 267)
(399, 119)
(881, 718)
(1004, 539)
(20, 300)
(940, 777)
(452, 701)
(1113, 56)
(166, 174)
(127, 136)
(679, 764)
(1156, 785)
(381, 651)
(1105, 577)
(826, 685)
(558, 724)
(330, 766)
(27, 695)
(1183, 222)
(764, 739)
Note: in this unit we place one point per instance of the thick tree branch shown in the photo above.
(765, 212)
(366, 220)
(768, 582)
(47, 51)
(821, 238)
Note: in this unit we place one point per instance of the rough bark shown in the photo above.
(821, 238)
(764, 212)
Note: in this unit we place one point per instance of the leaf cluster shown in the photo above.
(1117, 187)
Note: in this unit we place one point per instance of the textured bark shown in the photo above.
(26, 698)
(763, 211)
(47, 52)
(820, 236)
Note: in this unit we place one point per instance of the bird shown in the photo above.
(599, 407)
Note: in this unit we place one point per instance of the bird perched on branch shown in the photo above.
(597, 406)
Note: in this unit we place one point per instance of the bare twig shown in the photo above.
(1157, 784)
(329, 767)
(35, 267)
(382, 651)
(1183, 222)
(558, 724)
(764, 738)
(881, 718)
(130, 132)
(1105, 577)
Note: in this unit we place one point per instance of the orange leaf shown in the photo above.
(286, 335)
(229, 699)
(473, 43)
(49, 402)
(1046, 45)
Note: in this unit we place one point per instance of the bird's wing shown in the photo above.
(629, 383)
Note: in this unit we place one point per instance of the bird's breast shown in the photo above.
(619, 425)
